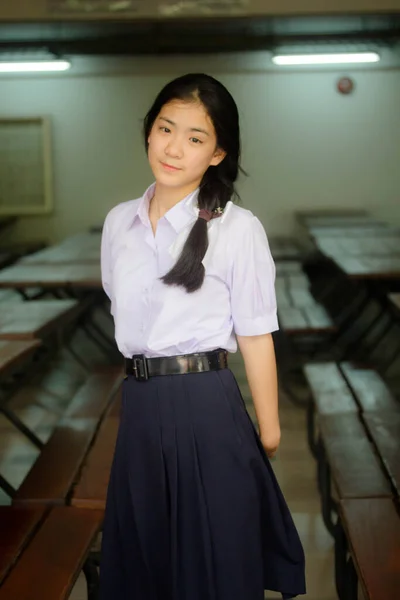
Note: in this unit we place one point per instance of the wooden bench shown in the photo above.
(350, 445)
(384, 430)
(91, 488)
(43, 552)
(56, 469)
(347, 456)
(13, 356)
(344, 388)
(368, 388)
(329, 395)
(369, 532)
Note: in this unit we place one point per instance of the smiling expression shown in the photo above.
(182, 145)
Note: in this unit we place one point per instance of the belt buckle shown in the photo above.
(139, 367)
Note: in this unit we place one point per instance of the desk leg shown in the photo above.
(21, 427)
(7, 487)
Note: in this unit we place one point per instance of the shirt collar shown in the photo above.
(178, 216)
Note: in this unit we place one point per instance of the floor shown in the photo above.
(41, 404)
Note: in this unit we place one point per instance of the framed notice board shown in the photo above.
(25, 166)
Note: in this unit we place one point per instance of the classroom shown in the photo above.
(317, 91)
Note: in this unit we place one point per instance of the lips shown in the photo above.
(170, 167)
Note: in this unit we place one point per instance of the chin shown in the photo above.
(168, 179)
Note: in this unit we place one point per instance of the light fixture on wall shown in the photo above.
(325, 59)
(33, 66)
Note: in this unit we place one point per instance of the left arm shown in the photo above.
(254, 315)
(259, 358)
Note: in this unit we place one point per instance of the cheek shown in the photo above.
(153, 149)
(200, 159)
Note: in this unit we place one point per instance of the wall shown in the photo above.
(304, 145)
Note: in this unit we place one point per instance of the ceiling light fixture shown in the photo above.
(34, 66)
(325, 59)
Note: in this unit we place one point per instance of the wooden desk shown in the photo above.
(14, 353)
(22, 276)
(34, 319)
(343, 221)
(369, 267)
(327, 213)
(81, 248)
(60, 256)
(298, 312)
(363, 231)
(358, 247)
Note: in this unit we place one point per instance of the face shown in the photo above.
(182, 145)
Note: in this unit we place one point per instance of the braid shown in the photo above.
(214, 194)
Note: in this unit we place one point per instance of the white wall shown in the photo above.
(304, 145)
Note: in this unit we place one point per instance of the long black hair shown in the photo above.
(217, 184)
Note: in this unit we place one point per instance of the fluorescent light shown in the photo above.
(326, 59)
(34, 66)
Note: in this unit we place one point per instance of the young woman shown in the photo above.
(194, 511)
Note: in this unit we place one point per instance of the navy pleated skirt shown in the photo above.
(194, 511)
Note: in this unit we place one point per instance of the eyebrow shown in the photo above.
(191, 129)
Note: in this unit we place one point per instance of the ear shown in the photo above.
(218, 157)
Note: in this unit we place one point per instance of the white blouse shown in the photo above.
(154, 319)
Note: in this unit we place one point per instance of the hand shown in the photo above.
(271, 442)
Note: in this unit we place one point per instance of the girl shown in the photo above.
(194, 511)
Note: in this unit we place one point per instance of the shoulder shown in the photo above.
(240, 223)
(235, 213)
(121, 215)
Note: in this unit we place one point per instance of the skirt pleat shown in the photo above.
(194, 511)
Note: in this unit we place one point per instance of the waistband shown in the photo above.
(141, 367)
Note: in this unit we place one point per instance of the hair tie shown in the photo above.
(207, 215)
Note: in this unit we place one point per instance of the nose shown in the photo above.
(174, 147)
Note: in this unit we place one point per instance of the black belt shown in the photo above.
(142, 368)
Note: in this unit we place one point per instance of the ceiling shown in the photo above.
(199, 35)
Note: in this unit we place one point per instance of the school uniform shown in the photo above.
(194, 511)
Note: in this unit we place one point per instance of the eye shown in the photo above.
(196, 140)
(165, 129)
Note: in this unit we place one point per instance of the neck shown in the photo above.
(165, 198)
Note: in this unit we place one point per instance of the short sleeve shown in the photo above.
(252, 282)
(106, 259)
